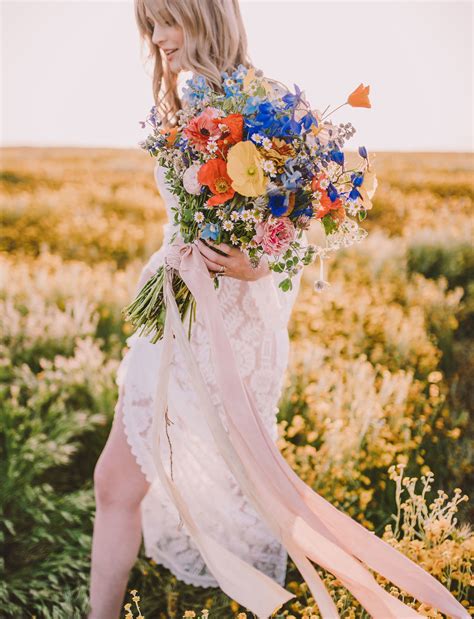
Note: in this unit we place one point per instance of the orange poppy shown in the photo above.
(359, 97)
(233, 133)
(214, 175)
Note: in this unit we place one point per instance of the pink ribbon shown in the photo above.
(310, 528)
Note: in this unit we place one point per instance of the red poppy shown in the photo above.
(214, 175)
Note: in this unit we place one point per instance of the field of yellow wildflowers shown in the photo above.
(374, 416)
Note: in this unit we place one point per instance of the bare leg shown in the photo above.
(119, 486)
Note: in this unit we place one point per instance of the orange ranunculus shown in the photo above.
(214, 175)
(233, 133)
(359, 97)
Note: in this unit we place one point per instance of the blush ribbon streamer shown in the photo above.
(309, 526)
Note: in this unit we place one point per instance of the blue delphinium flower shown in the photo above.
(278, 204)
(308, 120)
(251, 105)
(357, 179)
(290, 127)
(354, 194)
(196, 89)
(291, 177)
(332, 192)
(337, 156)
(210, 231)
(291, 100)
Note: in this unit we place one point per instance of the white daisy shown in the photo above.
(228, 226)
(257, 138)
(269, 167)
(199, 217)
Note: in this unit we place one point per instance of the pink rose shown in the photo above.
(275, 235)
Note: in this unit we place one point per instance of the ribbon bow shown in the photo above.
(310, 527)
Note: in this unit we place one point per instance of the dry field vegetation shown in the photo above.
(374, 416)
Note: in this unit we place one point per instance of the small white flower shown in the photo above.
(234, 240)
(190, 181)
(246, 216)
(220, 213)
(235, 216)
(266, 143)
(228, 226)
(199, 217)
(257, 138)
(256, 216)
(269, 167)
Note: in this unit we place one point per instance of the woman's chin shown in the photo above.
(174, 65)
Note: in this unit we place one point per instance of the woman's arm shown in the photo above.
(236, 262)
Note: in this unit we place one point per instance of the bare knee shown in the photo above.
(116, 486)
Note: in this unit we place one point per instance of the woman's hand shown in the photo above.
(236, 262)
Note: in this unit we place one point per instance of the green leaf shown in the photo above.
(286, 284)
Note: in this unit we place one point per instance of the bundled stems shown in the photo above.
(147, 311)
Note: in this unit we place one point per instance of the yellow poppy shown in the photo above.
(245, 170)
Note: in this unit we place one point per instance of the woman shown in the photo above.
(233, 512)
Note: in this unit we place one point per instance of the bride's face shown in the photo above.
(169, 38)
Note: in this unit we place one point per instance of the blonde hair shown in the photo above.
(214, 40)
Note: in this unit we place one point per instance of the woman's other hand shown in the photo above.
(237, 263)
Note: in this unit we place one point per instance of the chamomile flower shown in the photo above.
(257, 215)
(234, 240)
(246, 216)
(235, 215)
(220, 213)
(266, 143)
(212, 145)
(269, 167)
(257, 138)
(199, 217)
(228, 226)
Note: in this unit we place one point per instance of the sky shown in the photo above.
(73, 73)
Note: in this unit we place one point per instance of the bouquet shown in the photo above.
(253, 165)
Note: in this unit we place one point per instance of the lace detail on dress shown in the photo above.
(208, 486)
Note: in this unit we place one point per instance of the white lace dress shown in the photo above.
(204, 480)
